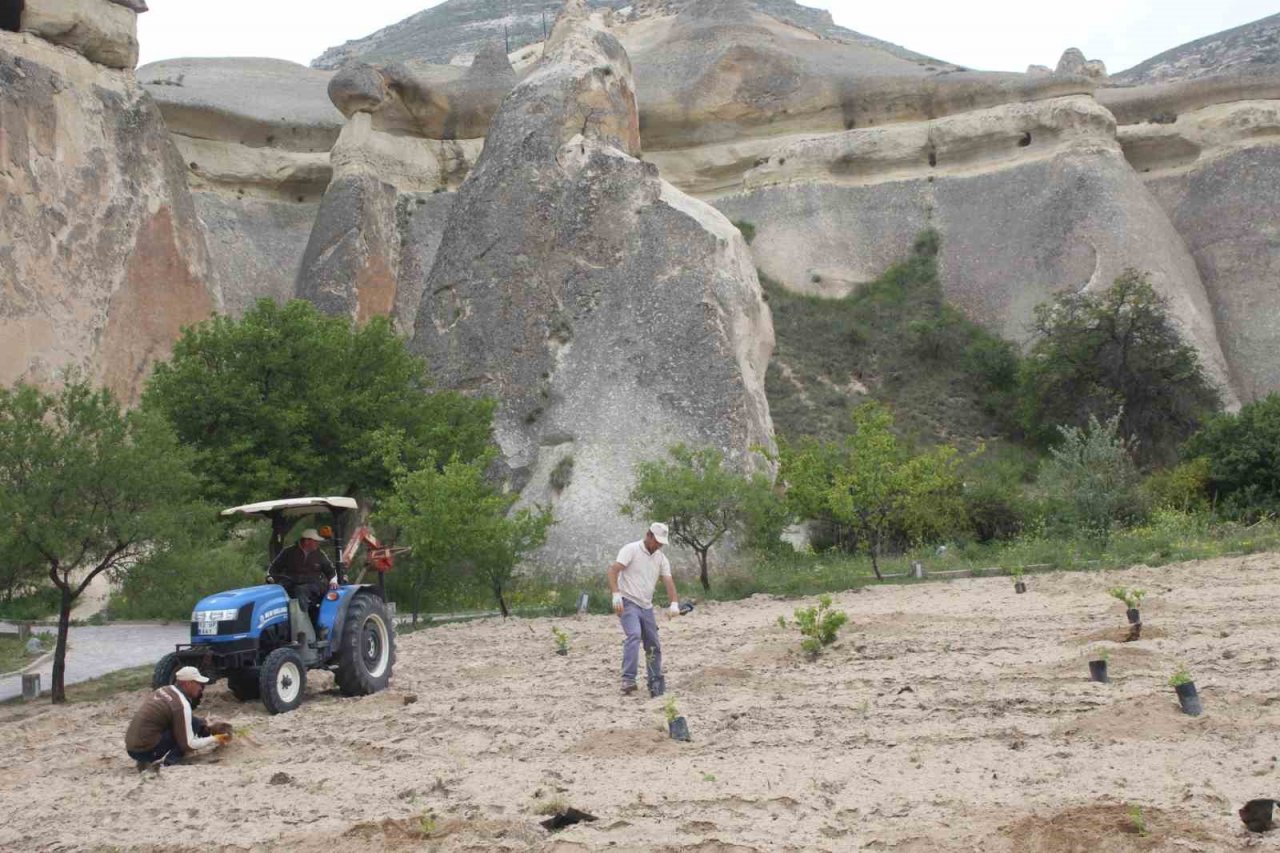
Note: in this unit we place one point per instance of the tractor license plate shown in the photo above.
(207, 629)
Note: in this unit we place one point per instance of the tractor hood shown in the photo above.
(238, 613)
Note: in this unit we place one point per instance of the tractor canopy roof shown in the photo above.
(289, 507)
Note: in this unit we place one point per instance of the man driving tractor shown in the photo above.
(305, 572)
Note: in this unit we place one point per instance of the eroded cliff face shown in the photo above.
(255, 135)
(611, 314)
(102, 260)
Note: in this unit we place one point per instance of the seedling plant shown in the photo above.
(1180, 677)
(670, 710)
(1130, 597)
(819, 625)
(562, 640)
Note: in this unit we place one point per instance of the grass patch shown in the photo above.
(13, 654)
(894, 340)
(93, 690)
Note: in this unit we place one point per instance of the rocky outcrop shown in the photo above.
(255, 135)
(1248, 49)
(413, 132)
(102, 259)
(454, 31)
(609, 313)
(1030, 199)
(1216, 171)
(1073, 63)
(103, 31)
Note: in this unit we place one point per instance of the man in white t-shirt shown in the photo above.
(632, 579)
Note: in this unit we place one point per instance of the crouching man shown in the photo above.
(164, 730)
(632, 579)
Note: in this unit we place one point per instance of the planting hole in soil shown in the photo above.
(568, 817)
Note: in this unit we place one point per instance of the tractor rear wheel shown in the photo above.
(282, 680)
(244, 685)
(166, 668)
(367, 649)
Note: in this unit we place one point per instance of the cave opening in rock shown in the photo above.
(1025, 140)
(10, 15)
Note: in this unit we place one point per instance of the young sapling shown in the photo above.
(562, 640)
(819, 625)
(1016, 572)
(1138, 820)
(1188, 698)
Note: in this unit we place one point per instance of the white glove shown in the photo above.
(674, 609)
(617, 602)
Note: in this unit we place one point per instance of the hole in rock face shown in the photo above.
(10, 15)
(1025, 140)
(933, 158)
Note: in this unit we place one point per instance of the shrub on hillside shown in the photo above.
(1090, 482)
(1243, 453)
(1115, 353)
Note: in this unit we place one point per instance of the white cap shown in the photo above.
(189, 673)
(659, 531)
(310, 533)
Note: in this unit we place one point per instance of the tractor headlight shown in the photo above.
(213, 615)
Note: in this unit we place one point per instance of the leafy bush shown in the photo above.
(1090, 482)
(1183, 488)
(562, 474)
(873, 484)
(1243, 453)
(1116, 353)
(819, 625)
(169, 585)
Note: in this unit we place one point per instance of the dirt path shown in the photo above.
(951, 716)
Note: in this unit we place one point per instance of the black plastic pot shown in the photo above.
(1256, 815)
(1019, 587)
(1098, 671)
(679, 729)
(1135, 618)
(657, 686)
(1189, 699)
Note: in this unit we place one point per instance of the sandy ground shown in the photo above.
(950, 716)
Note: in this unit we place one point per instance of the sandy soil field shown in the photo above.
(949, 716)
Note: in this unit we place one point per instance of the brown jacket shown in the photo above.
(166, 710)
(292, 562)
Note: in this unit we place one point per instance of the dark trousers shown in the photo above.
(308, 593)
(167, 747)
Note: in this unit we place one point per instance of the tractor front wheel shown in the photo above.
(282, 680)
(166, 668)
(244, 685)
(367, 649)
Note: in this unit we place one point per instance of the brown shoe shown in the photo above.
(628, 689)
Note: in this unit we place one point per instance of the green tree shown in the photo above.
(1090, 481)
(873, 484)
(1243, 450)
(703, 501)
(90, 489)
(1115, 352)
(461, 529)
(287, 401)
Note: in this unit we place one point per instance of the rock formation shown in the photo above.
(101, 256)
(103, 31)
(255, 135)
(611, 314)
(413, 130)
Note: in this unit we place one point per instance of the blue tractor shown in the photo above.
(263, 643)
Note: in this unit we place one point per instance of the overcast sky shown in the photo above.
(997, 35)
